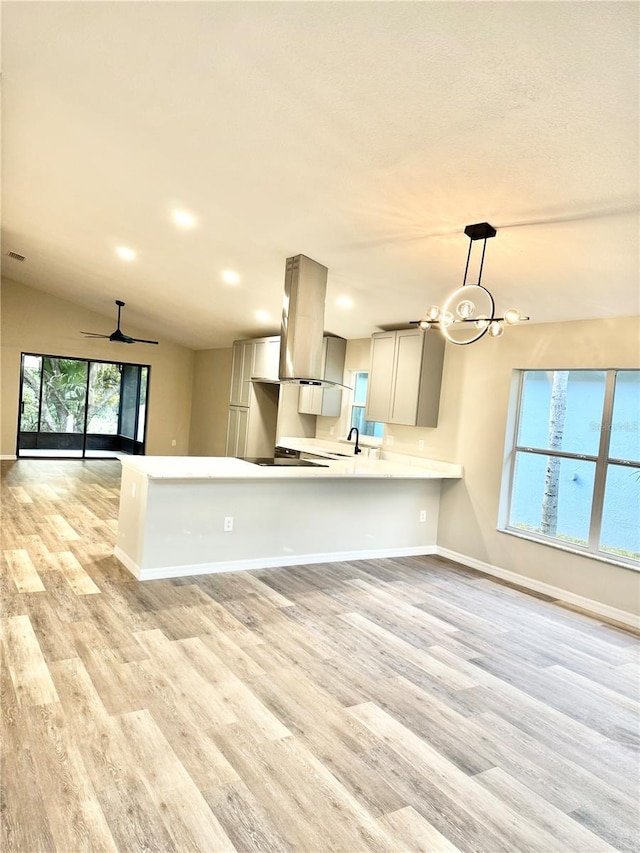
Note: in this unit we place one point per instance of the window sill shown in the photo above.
(370, 441)
(560, 546)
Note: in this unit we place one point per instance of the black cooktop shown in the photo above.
(277, 461)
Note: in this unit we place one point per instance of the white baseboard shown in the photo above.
(589, 604)
(127, 562)
(9, 457)
(267, 562)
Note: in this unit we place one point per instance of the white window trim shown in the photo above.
(601, 460)
(364, 440)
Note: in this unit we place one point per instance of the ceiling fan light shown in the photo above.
(424, 325)
(446, 319)
(482, 321)
(496, 329)
(512, 316)
(465, 309)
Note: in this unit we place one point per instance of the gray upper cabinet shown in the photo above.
(256, 358)
(326, 401)
(381, 369)
(405, 376)
(266, 358)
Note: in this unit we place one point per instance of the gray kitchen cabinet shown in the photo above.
(313, 400)
(254, 358)
(237, 431)
(251, 430)
(266, 358)
(241, 370)
(381, 369)
(405, 376)
(253, 404)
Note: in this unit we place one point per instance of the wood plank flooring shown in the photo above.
(384, 705)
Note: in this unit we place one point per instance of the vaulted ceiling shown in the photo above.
(364, 135)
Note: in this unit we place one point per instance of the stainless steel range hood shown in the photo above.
(305, 290)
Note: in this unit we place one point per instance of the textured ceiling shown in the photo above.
(364, 135)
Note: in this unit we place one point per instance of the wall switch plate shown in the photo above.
(421, 444)
(331, 430)
(133, 490)
(228, 523)
(173, 442)
(423, 515)
(390, 440)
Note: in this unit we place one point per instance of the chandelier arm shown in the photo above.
(474, 319)
(484, 248)
(466, 269)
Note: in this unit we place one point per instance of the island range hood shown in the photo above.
(305, 291)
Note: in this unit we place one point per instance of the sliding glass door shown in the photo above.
(71, 407)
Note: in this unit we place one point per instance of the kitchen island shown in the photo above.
(196, 515)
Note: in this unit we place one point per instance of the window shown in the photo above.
(575, 461)
(369, 428)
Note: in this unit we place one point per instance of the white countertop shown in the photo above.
(227, 468)
(331, 449)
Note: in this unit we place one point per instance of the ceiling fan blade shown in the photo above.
(118, 336)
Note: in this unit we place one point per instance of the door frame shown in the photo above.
(138, 448)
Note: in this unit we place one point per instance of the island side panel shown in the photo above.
(283, 522)
(132, 519)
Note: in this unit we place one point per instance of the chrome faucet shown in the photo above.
(357, 448)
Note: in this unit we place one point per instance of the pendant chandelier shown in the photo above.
(469, 312)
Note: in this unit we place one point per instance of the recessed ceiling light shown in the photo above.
(125, 254)
(230, 277)
(345, 301)
(263, 316)
(183, 219)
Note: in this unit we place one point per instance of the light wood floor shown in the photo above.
(389, 705)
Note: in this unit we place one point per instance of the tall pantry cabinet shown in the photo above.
(253, 402)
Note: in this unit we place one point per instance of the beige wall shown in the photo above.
(210, 408)
(290, 420)
(34, 321)
(480, 398)
(471, 431)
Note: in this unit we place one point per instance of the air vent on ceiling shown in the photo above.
(16, 256)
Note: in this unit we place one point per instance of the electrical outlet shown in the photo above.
(421, 444)
(390, 440)
(173, 442)
(228, 523)
(423, 515)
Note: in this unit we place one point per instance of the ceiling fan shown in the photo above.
(119, 336)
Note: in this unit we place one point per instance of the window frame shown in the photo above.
(602, 460)
(370, 440)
